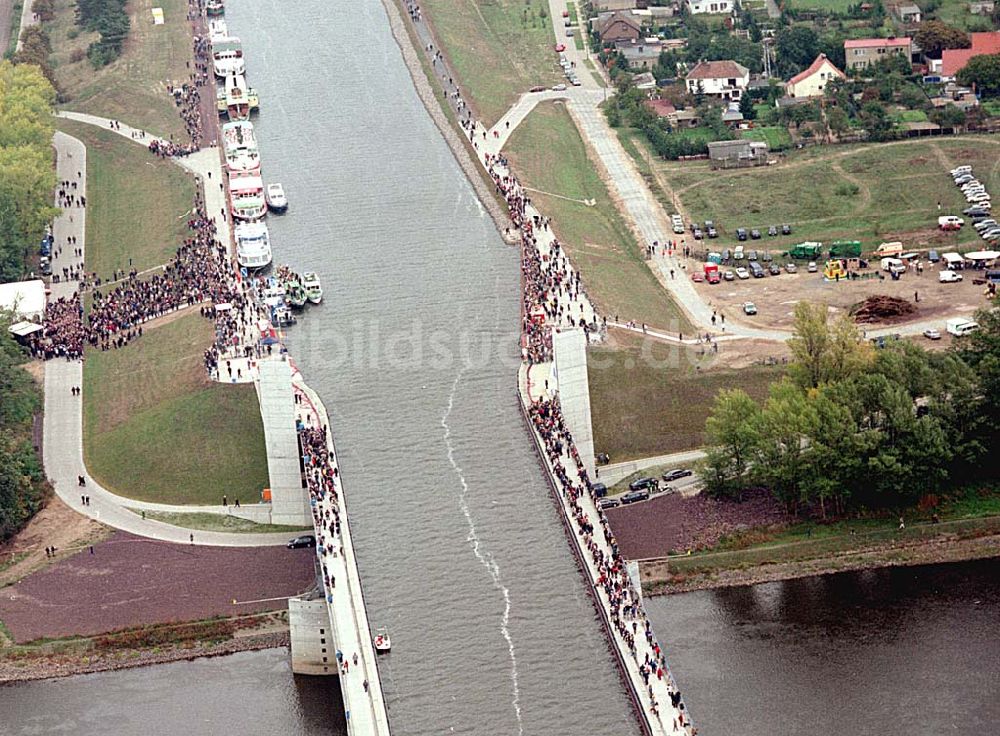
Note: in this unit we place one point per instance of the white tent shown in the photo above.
(983, 255)
(25, 300)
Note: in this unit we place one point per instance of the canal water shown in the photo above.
(884, 652)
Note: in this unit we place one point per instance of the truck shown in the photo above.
(809, 251)
(959, 326)
(712, 273)
(845, 249)
(893, 265)
(893, 249)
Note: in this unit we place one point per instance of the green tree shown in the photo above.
(948, 116)
(747, 108)
(838, 121)
(823, 352)
(732, 434)
(983, 71)
(934, 36)
(796, 48)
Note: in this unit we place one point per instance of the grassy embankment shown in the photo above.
(548, 155)
(868, 192)
(135, 204)
(133, 87)
(967, 527)
(220, 523)
(651, 399)
(498, 49)
(156, 429)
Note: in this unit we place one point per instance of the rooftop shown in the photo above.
(875, 43)
(813, 68)
(717, 70)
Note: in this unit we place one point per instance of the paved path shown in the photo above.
(588, 77)
(28, 18)
(63, 421)
(611, 474)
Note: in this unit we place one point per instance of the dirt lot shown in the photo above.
(776, 296)
(130, 581)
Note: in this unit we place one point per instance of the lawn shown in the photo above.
(133, 87)
(548, 154)
(776, 137)
(832, 6)
(136, 202)
(872, 192)
(156, 429)
(651, 399)
(499, 49)
(220, 523)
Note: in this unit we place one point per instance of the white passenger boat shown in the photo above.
(314, 290)
(217, 30)
(227, 56)
(240, 146)
(253, 245)
(276, 199)
(236, 99)
(246, 195)
(382, 641)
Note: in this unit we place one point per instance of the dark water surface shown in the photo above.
(895, 652)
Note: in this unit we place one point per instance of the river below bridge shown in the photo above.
(461, 551)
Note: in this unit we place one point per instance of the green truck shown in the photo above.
(807, 250)
(845, 249)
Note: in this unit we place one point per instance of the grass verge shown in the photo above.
(136, 203)
(156, 429)
(648, 398)
(498, 49)
(548, 155)
(220, 523)
(133, 88)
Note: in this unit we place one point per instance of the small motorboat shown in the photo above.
(282, 316)
(314, 291)
(382, 642)
(295, 294)
(276, 198)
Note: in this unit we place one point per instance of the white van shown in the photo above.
(960, 326)
(893, 265)
(889, 249)
(950, 222)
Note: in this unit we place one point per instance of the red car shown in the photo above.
(560, 47)
(697, 277)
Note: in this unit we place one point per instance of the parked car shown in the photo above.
(772, 231)
(752, 255)
(639, 483)
(976, 211)
(932, 334)
(949, 277)
(774, 269)
(600, 490)
(742, 273)
(749, 308)
(766, 257)
(932, 256)
(677, 474)
(726, 255)
(698, 234)
(738, 253)
(728, 275)
(741, 233)
(755, 234)
(559, 88)
(697, 277)
(306, 540)
(678, 223)
(712, 232)
(811, 268)
(786, 229)
(791, 267)
(757, 270)
(537, 88)
(608, 503)
(635, 496)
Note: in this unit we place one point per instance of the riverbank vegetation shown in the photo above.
(550, 159)
(132, 87)
(136, 203)
(109, 20)
(636, 387)
(852, 429)
(156, 429)
(499, 50)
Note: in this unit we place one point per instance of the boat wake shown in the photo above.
(484, 557)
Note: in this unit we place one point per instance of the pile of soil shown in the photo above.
(881, 308)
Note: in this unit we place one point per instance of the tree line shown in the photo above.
(107, 17)
(851, 427)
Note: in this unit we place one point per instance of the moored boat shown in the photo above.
(382, 641)
(295, 294)
(314, 291)
(276, 199)
(237, 99)
(227, 56)
(246, 195)
(215, 7)
(240, 146)
(217, 30)
(253, 245)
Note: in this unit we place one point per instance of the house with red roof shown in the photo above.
(812, 82)
(954, 60)
(725, 79)
(862, 52)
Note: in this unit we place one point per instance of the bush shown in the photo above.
(847, 190)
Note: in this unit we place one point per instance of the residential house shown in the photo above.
(954, 60)
(981, 7)
(661, 108)
(812, 82)
(862, 52)
(645, 80)
(696, 7)
(640, 54)
(737, 150)
(907, 13)
(619, 26)
(725, 79)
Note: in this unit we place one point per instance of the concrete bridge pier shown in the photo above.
(289, 496)
(569, 347)
(313, 646)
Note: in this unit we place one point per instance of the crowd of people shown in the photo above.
(62, 333)
(624, 605)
